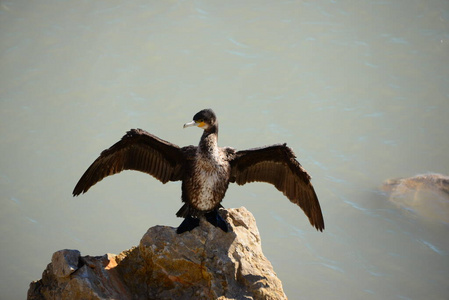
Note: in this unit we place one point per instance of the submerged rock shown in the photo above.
(425, 195)
(205, 263)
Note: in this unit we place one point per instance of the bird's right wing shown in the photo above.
(137, 150)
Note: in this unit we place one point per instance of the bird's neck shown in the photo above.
(209, 140)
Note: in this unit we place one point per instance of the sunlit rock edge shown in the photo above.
(205, 263)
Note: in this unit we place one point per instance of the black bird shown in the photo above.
(206, 171)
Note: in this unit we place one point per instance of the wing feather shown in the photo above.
(277, 165)
(137, 150)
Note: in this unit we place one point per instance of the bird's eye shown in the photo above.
(200, 121)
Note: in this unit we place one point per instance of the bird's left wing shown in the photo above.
(277, 165)
(137, 150)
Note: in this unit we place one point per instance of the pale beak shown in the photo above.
(190, 124)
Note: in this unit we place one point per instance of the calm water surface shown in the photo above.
(359, 89)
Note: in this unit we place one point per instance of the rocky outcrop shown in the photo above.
(424, 195)
(205, 263)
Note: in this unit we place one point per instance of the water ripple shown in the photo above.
(242, 54)
(432, 247)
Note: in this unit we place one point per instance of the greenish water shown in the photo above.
(359, 90)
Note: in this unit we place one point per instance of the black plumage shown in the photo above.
(206, 170)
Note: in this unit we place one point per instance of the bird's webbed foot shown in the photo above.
(215, 219)
(188, 224)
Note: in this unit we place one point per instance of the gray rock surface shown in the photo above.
(205, 263)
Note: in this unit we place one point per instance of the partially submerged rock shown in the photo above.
(205, 263)
(425, 195)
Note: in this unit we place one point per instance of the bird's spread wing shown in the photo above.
(137, 150)
(277, 165)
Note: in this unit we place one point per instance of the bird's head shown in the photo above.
(204, 119)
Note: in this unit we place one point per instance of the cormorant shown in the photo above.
(206, 171)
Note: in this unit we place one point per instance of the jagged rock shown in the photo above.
(424, 195)
(65, 262)
(205, 263)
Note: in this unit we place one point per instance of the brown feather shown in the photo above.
(277, 165)
(137, 150)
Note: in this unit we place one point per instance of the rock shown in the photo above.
(205, 263)
(424, 195)
(65, 262)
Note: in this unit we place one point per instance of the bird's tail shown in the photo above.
(187, 211)
(184, 211)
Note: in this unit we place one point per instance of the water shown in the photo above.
(359, 89)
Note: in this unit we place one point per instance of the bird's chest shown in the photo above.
(209, 182)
